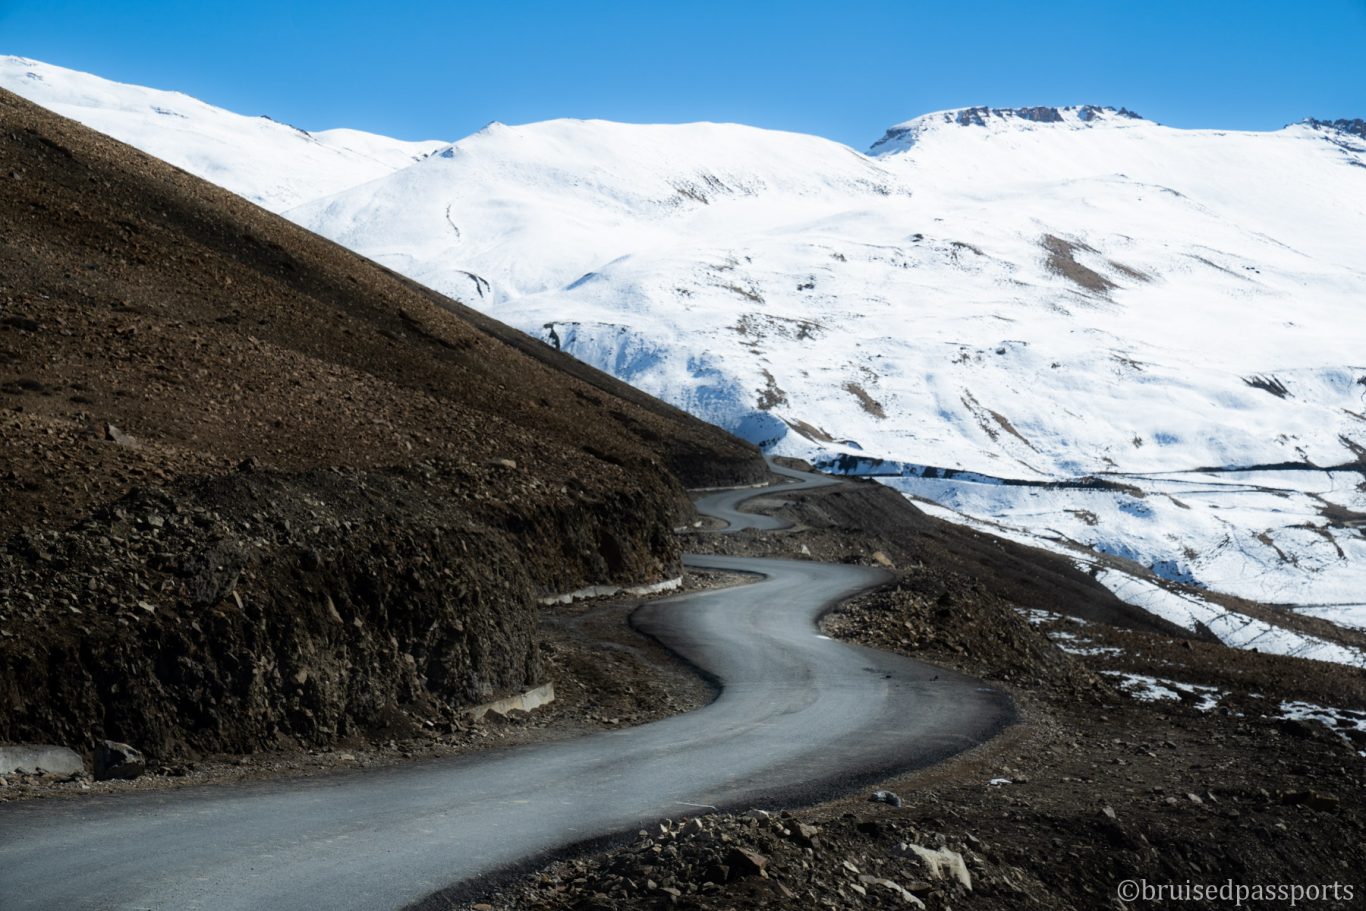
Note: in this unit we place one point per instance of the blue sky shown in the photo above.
(437, 69)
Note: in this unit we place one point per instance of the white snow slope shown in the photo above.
(272, 164)
(1079, 327)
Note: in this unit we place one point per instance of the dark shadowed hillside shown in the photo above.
(259, 490)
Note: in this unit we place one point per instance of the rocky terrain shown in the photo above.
(1219, 779)
(262, 493)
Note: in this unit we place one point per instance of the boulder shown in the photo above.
(805, 835)
(35, 758)
(1297, 728)
(886, 797)
(942, 863)
(746, 862)
(891, 886)
(118, 760)
(1315, 800)
(114, 435)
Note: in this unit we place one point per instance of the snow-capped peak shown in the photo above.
(902, 136)
(1354, 126)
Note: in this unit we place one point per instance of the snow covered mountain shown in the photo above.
(1071, 321)
(1141, 346)
(272, 164)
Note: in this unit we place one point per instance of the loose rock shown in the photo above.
(942, 863)
(886, 797)
(746, 862)
(118, 760)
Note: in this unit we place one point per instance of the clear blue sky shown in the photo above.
(435, 69)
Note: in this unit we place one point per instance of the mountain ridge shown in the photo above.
(16, 69)
(901, 136)
(284, 164)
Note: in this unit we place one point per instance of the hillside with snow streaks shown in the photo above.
(1140, 346)
(273, 164)
(534, 209)
(1030, 303)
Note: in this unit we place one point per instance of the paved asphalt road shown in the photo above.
(725, 504)
(799, 716)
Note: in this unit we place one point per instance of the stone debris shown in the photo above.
(755, 859)
(118, 760)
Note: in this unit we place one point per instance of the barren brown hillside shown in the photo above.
(259, 489)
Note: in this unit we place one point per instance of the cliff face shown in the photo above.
(259, 490)
(264, 609)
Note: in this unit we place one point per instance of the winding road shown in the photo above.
(799, 717)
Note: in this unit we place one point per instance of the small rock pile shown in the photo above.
(758, 859)
(959, 622)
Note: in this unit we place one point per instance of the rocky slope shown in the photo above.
(260, 491)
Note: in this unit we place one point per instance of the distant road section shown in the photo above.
(725, 504)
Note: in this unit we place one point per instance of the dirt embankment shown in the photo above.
(259, 491)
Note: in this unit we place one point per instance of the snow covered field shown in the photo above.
(1073, 324)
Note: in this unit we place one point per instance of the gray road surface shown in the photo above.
(799, 717)
(725, 504)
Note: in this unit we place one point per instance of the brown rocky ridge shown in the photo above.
(260, 492)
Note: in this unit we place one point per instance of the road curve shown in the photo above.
(799, 716)
(725, 504)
